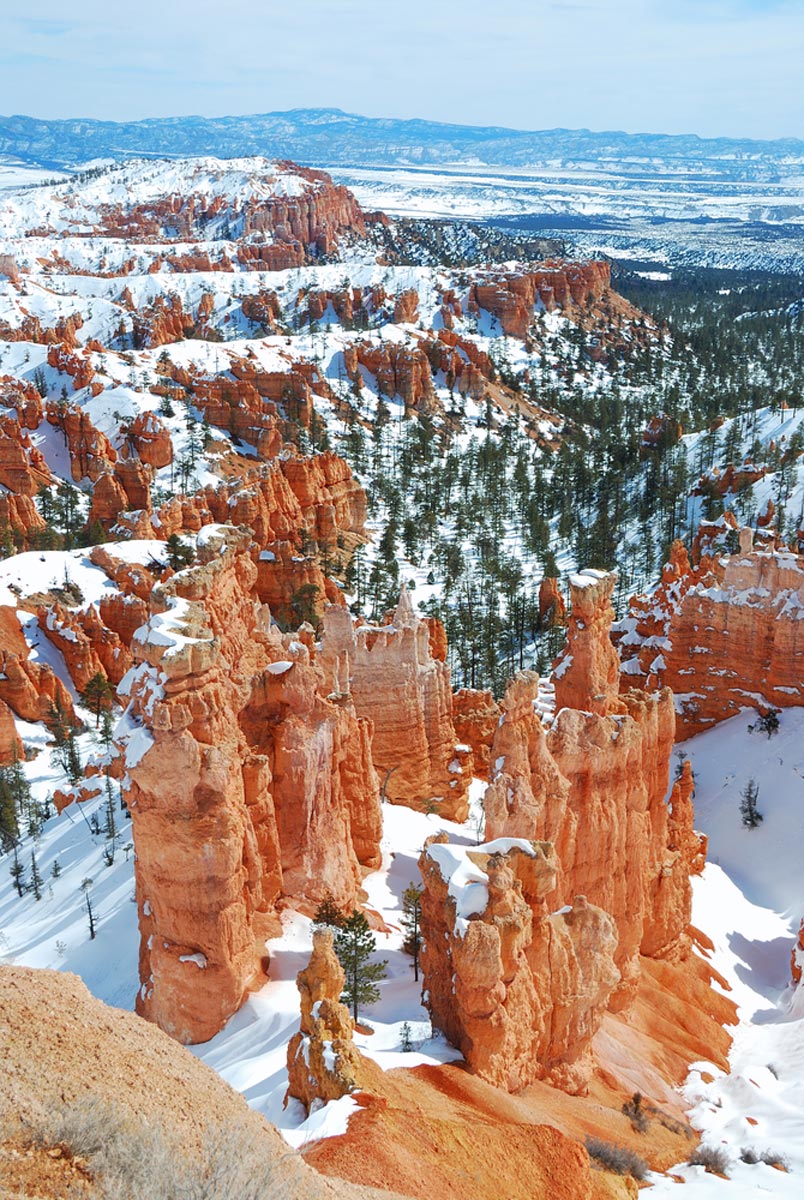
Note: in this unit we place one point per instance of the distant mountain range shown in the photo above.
(329, 136)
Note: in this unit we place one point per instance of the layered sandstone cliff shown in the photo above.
(513, 298)
(392, 677)
(520, 990)
(723, 633)
(590, 797)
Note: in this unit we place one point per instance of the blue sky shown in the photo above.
(713, 67)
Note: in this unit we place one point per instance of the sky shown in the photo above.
(712, 67)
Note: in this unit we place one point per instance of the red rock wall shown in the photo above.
(394, 681)
(520, 991)
(512, 298)
(721, 634)
(244, 783)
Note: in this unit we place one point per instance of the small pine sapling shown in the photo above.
(411, 920)
(354, 945)
(749, 812)
(328, 915)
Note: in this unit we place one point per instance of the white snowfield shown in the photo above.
(64, 209)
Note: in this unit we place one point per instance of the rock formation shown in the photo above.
(722, 633)
(64, 1052)
(519, 990)
(797, 956)
(596, 786)
(587, 672)
(244, 783)
(513, 298)
(30, 688)
(323, 1062)
(400, 370)
(588, 798)
(393, 679)
(476, 715)
(11, 749)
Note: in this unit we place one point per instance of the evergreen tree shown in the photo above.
(411, 920)
(86, 884)
(17, 872)
(97, 695)
(354, 945)
(9, 825)
(36, 878)
(748, 805)
(407, 1038)
(178, 555)
(328, 914)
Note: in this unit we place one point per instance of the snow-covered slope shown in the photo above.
(749, 902)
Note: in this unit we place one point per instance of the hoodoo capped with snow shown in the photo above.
(589, 797)
(244, 783)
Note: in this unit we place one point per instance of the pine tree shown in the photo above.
(748, 805)
(354, 945)
(178, 555)
(411, 920)
(9, 825)
(407, 1038)
(17, 872)
(328, 914)
(36, 878)
(110, 825)
(97, 695)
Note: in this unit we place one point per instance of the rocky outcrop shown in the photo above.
(231, 748)
(400, 370)
(31, 689)
(587, 672)
(323, 1061)
(393, 680)
(476, 715)
(595, 787)
(88, 647)
(552, 605)
(23, 469)
(91, 452)
(519, 990)
(149, 439)
(797, 956)
(513, 298)
(77, 366)
(11, 749)
(64, 1052)
(723, 634)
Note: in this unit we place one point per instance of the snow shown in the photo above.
(198, 959)
(749, 902)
